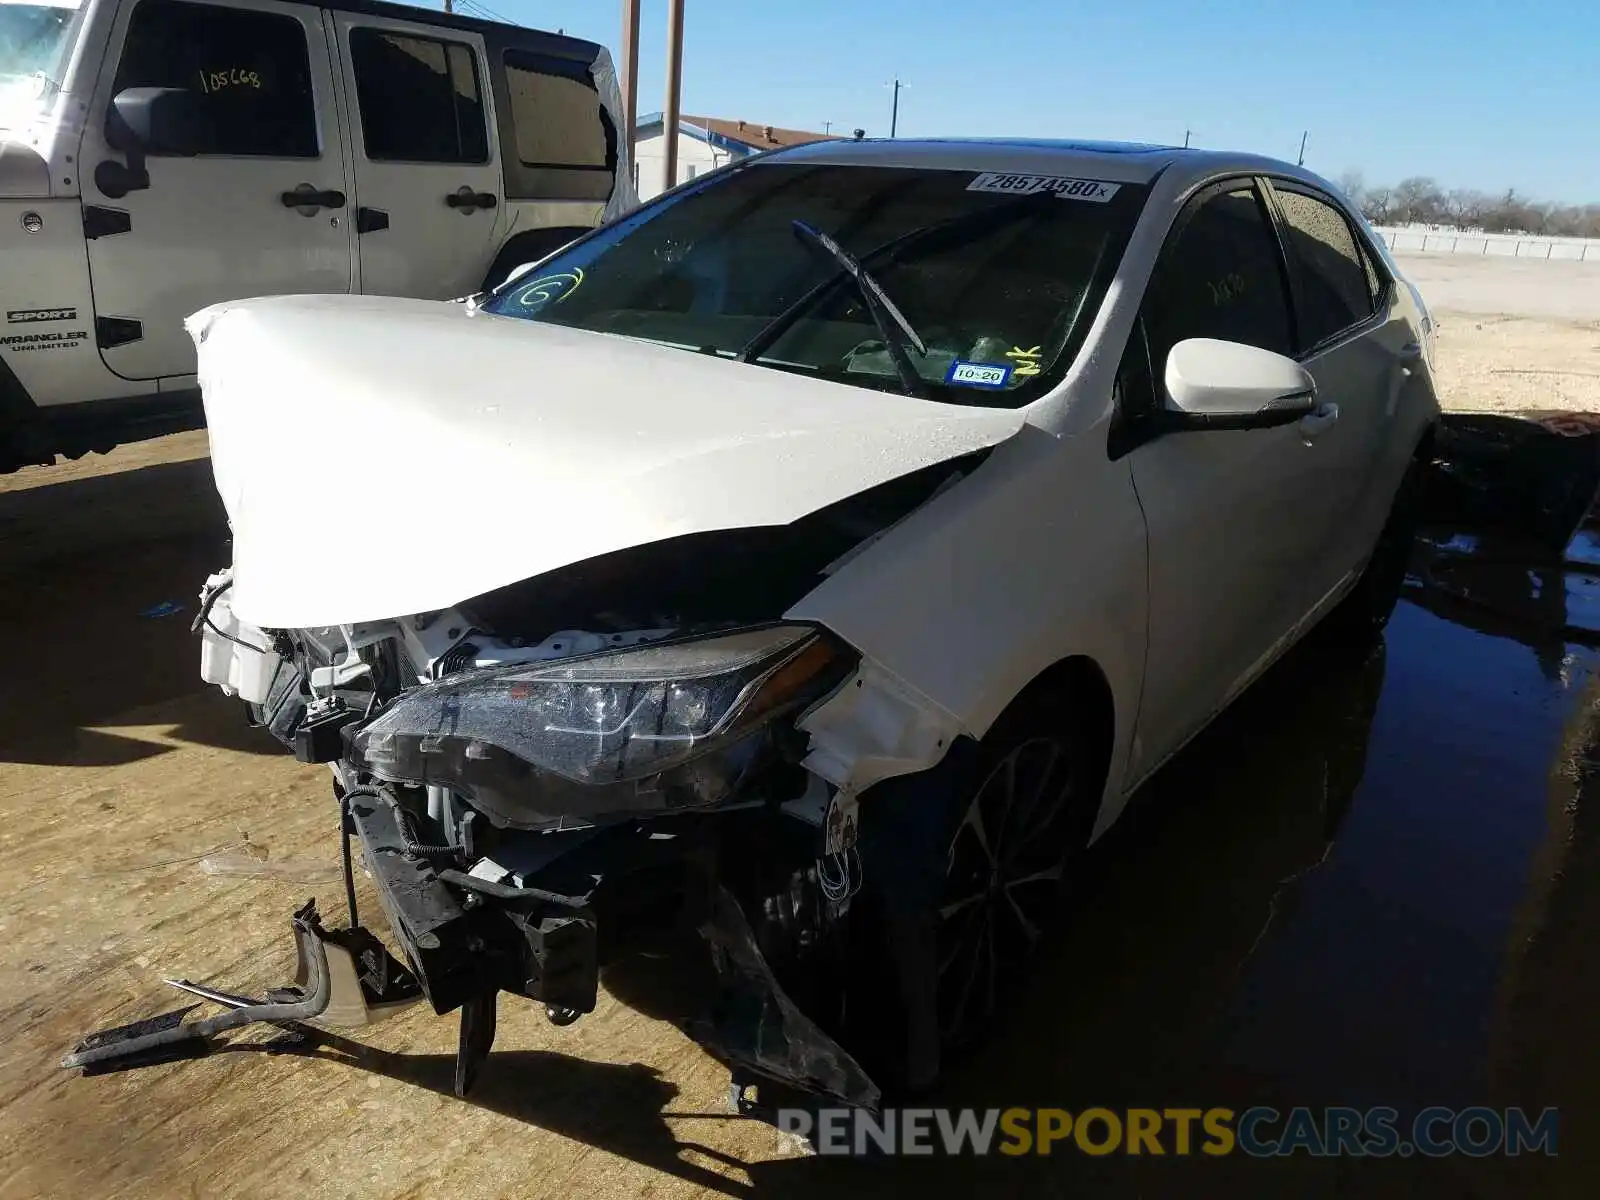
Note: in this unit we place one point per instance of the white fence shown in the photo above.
(1412, 239)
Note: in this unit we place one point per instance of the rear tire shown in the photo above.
(1363, 614)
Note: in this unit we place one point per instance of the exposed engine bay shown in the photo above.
(599, 760)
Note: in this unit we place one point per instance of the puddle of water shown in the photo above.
(1382, 986)
(1583, 600)
(1339, 895)
(1584, 548)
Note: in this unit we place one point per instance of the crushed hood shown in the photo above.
(380, 457)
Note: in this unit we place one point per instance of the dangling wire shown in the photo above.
(840, 875)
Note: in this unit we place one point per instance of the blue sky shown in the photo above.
(1476, 93)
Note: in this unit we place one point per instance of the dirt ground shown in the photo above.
(1514, 334)
(119, 773)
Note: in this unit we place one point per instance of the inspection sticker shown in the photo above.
(1094, 190)
(979, 375)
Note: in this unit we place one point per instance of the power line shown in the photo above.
(483, 10)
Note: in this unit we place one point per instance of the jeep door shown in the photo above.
(428, 193)
(213, 218)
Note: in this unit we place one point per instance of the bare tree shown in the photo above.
(1417, 201)
(1353, 185)
(1378, 205)
(1464, 208)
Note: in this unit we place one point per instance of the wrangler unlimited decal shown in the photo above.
(19, 342)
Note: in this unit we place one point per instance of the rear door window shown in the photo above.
(249, 70)
(420, 98)
(1336, 292)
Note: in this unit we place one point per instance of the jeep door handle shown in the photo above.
(306, 196)
(466, 200)
(1320, 420)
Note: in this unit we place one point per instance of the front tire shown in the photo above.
(971, 863)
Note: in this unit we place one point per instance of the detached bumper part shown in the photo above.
(166, 1038)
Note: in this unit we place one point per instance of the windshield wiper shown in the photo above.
(891, 322)
(978, 221)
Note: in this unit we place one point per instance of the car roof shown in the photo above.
(1117, 162)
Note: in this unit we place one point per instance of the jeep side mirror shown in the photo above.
(148, 120)
(157, 120)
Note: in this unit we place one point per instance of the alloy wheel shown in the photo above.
(1003, 880)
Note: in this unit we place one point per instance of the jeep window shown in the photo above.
(249, 70)
(419, 97)
(564, 140)
(1001, 292)
(35, 39)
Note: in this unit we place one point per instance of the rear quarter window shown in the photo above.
(564, 143)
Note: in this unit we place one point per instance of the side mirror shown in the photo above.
(1212, 384)
(517, 273)
(153, 120)
(147, 120)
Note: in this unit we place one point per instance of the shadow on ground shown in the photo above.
(86, 568)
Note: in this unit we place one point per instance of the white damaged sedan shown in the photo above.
(815, 558)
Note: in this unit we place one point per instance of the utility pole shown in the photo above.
(629, 71)
(449, 5)
(827, 127)
(1301, 161)
(669, 112)
(1186, 134)
(894, 113)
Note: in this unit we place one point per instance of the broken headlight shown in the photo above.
(604, 734)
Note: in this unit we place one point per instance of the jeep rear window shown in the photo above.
(565, 143)
(1001, 297)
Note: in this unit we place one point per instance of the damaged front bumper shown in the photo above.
(466, 938)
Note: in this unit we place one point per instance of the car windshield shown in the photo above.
(35, 39)
(964, 286)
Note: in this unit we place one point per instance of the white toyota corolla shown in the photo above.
(816, 557)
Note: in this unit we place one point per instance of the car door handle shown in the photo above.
(307, 197)
(1320, 420)
(466, 200)
(1411, 352)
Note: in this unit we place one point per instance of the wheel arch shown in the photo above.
(1079, 684)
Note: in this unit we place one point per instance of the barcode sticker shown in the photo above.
(1095, 191)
